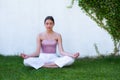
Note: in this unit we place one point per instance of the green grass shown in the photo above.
(105, 68)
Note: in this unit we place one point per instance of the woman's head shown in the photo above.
(49, 18)
(49, 22)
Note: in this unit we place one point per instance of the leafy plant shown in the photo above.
(106, 13)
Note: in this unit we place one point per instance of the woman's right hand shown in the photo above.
(24, 55)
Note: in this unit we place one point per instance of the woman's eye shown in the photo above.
(50, 23)
(47, 23)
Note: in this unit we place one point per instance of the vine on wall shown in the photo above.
(106, 13)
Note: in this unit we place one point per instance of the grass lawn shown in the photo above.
(106, 68)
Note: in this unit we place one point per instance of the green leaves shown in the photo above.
(106, 13)
(104, 9)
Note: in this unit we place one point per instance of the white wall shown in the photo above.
(22, 20)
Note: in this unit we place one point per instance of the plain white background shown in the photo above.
(22, 20)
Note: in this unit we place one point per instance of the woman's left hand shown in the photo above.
(76, 55)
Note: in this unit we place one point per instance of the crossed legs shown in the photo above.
(50, 65)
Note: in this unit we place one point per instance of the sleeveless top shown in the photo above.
(48, 46)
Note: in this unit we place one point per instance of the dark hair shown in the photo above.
(50, 18)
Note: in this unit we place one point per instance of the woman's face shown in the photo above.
(49, 24)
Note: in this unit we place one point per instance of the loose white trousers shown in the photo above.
(38, 62)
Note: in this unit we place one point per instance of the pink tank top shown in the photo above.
(49, 46)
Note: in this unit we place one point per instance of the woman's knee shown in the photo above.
(70, 60)
(25, 62)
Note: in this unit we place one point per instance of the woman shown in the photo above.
(46, 50)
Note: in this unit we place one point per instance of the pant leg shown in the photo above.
(64, 61)
(33, 62)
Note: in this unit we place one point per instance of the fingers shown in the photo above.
(22, 55)
(76, 55)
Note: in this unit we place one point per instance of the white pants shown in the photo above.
(38, 62)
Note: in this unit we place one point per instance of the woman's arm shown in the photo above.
(36, 53)
(61, 50)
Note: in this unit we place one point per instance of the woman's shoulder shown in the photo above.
(40, 35)
(57, 34)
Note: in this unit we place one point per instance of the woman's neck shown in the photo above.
(49, 32)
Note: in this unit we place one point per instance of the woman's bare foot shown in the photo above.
(50, 65)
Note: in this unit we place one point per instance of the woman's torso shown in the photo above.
(49, 42)
(48, 46)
